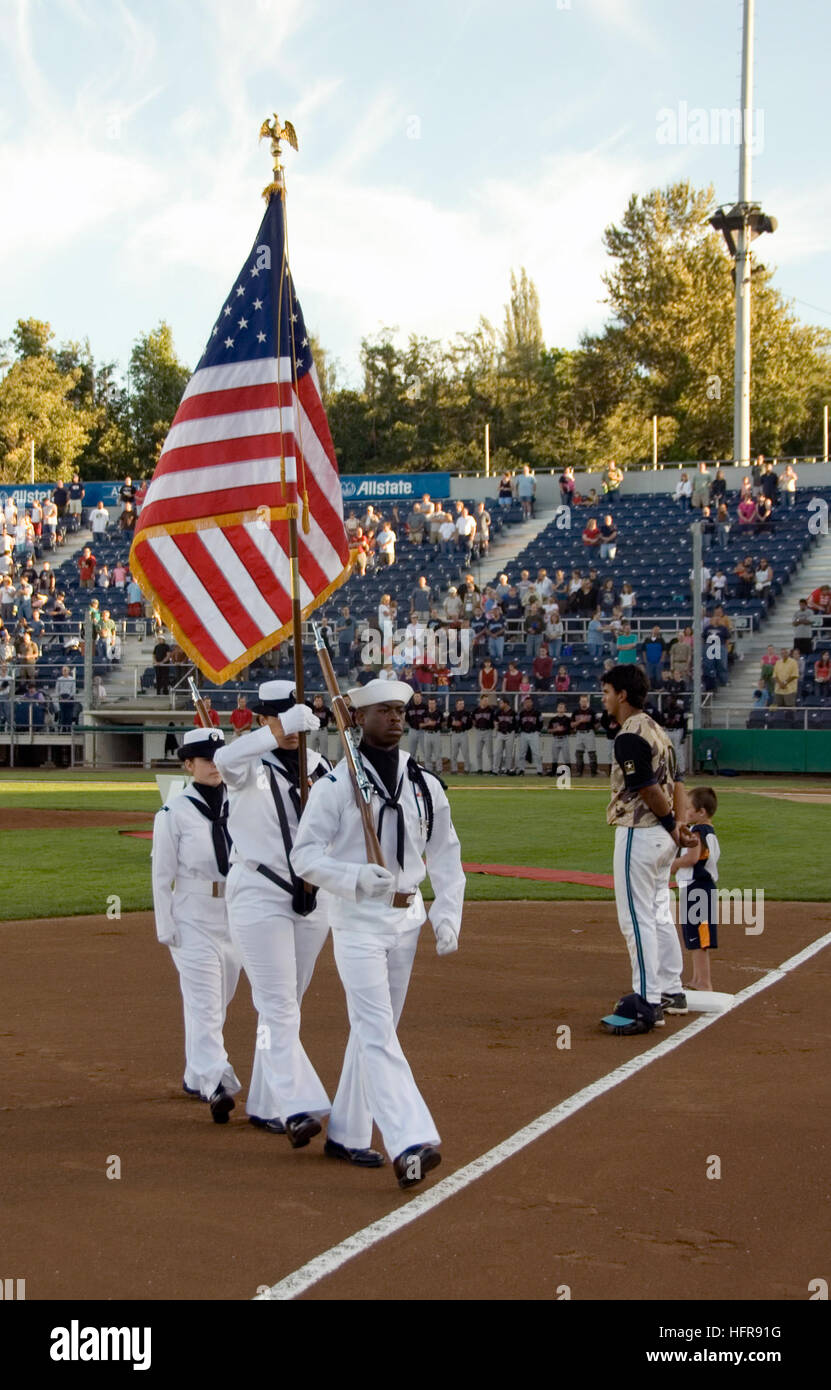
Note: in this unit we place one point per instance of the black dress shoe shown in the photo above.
(221, 1105)
(189, 1091)
(274, 1126)
(415, 1163)
(362, 1158)
(301, 1128)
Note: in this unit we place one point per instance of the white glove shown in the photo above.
(299, 720)
(447, 941)
(169, 935)
(374, 881)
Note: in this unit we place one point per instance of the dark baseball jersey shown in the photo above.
(432, 721)
(505, 722)
(584, 721)
(530, 721)
(560, 725)
(459, 721)
(415, 716)
(482, 718)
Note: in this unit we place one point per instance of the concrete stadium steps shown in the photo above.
(511, 541)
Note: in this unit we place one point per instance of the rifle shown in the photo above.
(361, 784)
(199, 705)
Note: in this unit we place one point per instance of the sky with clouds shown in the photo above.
(441, 144)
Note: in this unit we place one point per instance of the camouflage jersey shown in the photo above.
(626, 806)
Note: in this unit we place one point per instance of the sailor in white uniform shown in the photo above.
(274, 919)
(190, 861)
(375, 942)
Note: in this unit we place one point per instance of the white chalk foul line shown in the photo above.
(322, 1265)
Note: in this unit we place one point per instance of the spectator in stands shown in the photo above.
(763, 578)
(612, 480)
(447, 534)
(746, 487)
(819, 600)
(512, 679)
(756, 474)
(75, 504)
(360, 549)
(482, 537)
(102, 577)
(385, 544)
(542, 668)
(683, 491)
(785, 679)
(764, 515)
(161, 667)
(416, 523)
(822, 677)
(803, 628)
(127, 493)
(567, 488)
(745, 573)
(562, 681)
(747, 514)
(61, 499)
(554, 633)
(534, 629)
(495, 627)
(242, 718)
(99, 520)
(700, 487)
(27, 655)
(766, 670)
(723, 526)
(559, 587)
(584, 602)
(718, 584)
(7, 652)
(87, 565)
(607, 598)
(108, 638)
(681, 659)
(627, 645)
(135, 599)
(421, 598)
(653, 654)
(119, 575)
(350, 526)
(453, 607)
(65, 696)
(718, 490)
(594, 636)
(770, 484)
(46, 579)
(591, 532)
(465, 533)
(505, 492)
(213, 714)
(722, 625)
(790, 478)
(628, 599)
(708, 529)
(488, 676)
(608, 538)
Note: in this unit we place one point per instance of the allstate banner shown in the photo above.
(392, 487)
(93, 492)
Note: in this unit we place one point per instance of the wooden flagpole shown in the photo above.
(277, 188)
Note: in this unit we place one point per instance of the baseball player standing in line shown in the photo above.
(415, 723)
(374, 942)
(431, 734)
(483, 719)
(583, 724)
(274, 921)
(503, 738)
(560, 729)
(529, 721)
(459, 723)
(189, 866)
(318, 741)
(643, 781)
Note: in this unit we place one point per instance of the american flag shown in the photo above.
(249, 446)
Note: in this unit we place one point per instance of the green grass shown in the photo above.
(771, 844)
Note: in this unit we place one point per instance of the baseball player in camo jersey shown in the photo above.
(560, 729)
(503, 739)
(583, 724)
(529, 721)
(416, 711)
(483, 719)
(647, 836)
(459, 723)
(431, 735)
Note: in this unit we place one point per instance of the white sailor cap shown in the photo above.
(275, 697)
(379, 693)
(200, 743)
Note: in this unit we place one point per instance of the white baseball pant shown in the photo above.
(642, 863)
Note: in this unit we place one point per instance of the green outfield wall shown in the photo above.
(768, 750)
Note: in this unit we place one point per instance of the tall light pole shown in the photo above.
(740, 226)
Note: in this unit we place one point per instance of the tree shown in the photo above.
(157, 380)
(35, 405)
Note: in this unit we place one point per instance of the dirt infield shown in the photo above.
(27, 818)
(615, 1203)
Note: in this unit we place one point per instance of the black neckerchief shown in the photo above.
(384, 761)
(213, 804)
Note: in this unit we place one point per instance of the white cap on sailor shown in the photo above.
(200, 743)
(379, 693)
(275, 697)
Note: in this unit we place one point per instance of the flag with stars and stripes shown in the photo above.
(249, 447)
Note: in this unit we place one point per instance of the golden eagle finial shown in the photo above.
(277, 132)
